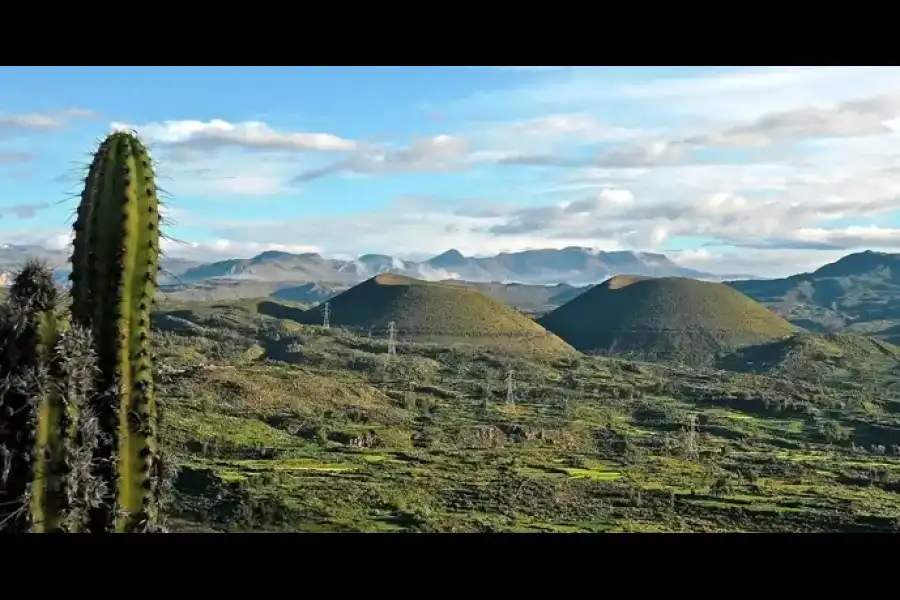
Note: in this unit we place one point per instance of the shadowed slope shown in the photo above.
(669, 318)
(818, 357)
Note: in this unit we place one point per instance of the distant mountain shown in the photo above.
(271, 266)
(860, 291)
(574, 266)
(13, 256)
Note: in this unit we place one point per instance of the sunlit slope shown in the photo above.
(438, 312)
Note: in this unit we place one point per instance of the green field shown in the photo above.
(279, 426)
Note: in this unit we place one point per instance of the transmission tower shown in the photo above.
(392, 341)
(690, 436)
(326, 315)
(510, 399)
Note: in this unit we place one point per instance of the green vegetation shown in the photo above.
(669, 318)
(45, 423)
(436, 313)
(836, 357)
(279, 426)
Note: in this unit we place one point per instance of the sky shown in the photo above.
(761, 170)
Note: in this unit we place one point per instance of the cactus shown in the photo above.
(78, 414)
(114, 267)
(18, 362)
(46, 374)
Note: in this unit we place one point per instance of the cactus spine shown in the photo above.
(114, 268)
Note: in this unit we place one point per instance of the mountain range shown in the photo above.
(573, 265)
(859, 292)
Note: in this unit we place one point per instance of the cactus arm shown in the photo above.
(62, 386)
(47, 487)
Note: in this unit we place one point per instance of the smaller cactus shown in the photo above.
(17, 417)
(45, 423)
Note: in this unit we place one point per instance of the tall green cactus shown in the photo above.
(114, 270)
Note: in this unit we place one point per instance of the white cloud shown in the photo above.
(404, 229)
(756, 262)
(217, 133)
(213, 158)
(544, 129)
(858, 117)
(227, 174)
(856, 236)
(41, 121)
(754, 92)
(439, 153)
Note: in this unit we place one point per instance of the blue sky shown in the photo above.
(766, 170)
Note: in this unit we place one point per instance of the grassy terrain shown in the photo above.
(437, 313)
(671, 318)
(279, 426)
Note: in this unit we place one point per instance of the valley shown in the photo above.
(281, 426)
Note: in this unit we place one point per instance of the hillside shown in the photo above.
(214, 290)
(428, 312)
(668, 318)
(860, 291)
(829, 358)
(346, 440)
